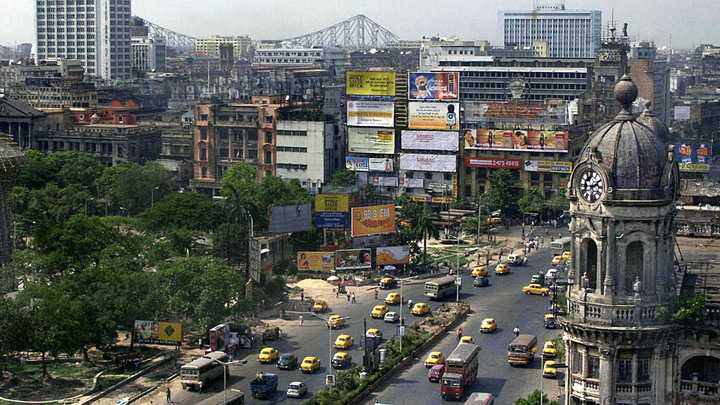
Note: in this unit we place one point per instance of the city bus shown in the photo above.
(202, 371)
(438, 289)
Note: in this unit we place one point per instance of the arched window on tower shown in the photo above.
(633, 265)
(588, 271)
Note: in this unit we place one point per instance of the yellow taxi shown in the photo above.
(341, 360)
(420, 309)
(479, 271)
(379, 311)
(335, 321)
(556, 260)
(549, 369)
(502, 268)
(343, 342)
(373, 333)
(387, 283)
(392, 299)
(310, 364)
(268, 355)
(434, 359)
(535, 289)
(488, 325)
(320, 306)
(567, 256)
(549, 350)
(466, 339)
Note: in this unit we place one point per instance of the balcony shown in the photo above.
(629, 390)
(614, 315)
(702, 392)
(585, 387)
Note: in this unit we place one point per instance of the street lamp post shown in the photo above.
(458, 277)
(225, 373)
(152, 196)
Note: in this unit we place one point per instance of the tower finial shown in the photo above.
(626, 92)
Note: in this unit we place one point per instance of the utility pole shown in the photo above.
(458, 277)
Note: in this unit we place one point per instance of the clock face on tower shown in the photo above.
(591, 186)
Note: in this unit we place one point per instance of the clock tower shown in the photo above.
(617, 332)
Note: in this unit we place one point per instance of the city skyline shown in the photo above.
(213, 17)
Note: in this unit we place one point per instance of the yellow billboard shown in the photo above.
(158, 333)
(373, 220)
(370, 84)
(315, 261)
(332, 203)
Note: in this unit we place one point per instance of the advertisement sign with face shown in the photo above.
(439, 86)
(434, 115)
(315, 261)
(518, 139)
(392, 255)
(353, 259)
(692, 157)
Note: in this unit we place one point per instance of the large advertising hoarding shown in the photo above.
(392, 255)
(364, 164)
(430, 140)
(371, 140)
(332, 220)
(383, 181)
(373, 220)
(315, 261)
(434, 115)
(370, 84)
(490, 162)
(548, 166)
(681, 113)
(158, 333)
(428, 163)
(531, 112)
(332, 203)
(361, 113)
(353, 259)
(412, 183)
(439, 86)
(518, 139)
(291, 218)
(692, 157)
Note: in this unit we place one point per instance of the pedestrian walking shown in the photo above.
(376, 294)
(354, 301)
(168, 398)
(348, 296)
(301, 320)
(516, 331)
(302, 295)
(459, 334)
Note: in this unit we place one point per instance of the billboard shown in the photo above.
(370, 84)
(384, 181)
(353, 259)
(332, 220)
(491, 162)
(440, 86)
(430, 140)
(157, 333)
(371, 140)
(434, 115)
(518, 139)
(362, 113)
(692, 157)
(411, 183)
(290, 218)
(332, 203)
(363, 164)
(428, 163)
(373, 220)
(315, 261)
(681, 113)
(534, 113)
(548, 166)
(392, 255)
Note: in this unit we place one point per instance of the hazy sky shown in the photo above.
(689, 21)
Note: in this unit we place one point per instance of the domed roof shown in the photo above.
(650, 119)
(632, 154)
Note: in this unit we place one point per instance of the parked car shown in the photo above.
(549, 350)
(341, 360)
(287, 361)
(296, 389)
(391, 317)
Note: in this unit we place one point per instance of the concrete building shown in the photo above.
(148, 54)
(435, 49)
(95, 32)
(570, 34)
(288, 57)
(15, 74)
(210, 47)
(652, 76)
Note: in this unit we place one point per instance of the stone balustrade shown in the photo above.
(614, 315)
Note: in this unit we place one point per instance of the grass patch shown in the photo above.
(66, 379)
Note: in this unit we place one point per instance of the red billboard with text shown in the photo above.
(491, 162)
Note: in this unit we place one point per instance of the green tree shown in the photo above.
(191, 211)
(470, 225)
(534, 399)
(503, 194)
(133, 187)
(425, 228)
(343, 178)
(61, 168)
(532, 201)
(557, 204)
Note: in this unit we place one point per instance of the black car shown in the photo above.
(287, 361)
(481, 282)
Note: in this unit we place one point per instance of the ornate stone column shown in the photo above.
(607, 373)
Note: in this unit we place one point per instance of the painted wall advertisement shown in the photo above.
(371, 140)
(353, 259)
(434, 115)
(430, 140)
(364, 164)
(332, 220)
(315, 261)
(158, 333)
(361, 113)
(440, 86)
(501, 139)
(370, 84)
(548, 166)
(428, 163)
(373, 220)
(392, 255)
(692, 157)
(493, 163)
(332, 203)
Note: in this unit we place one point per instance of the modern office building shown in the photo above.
(568, 33)
(95, 32)
(210, 47)
(288, 57)
(148, 54)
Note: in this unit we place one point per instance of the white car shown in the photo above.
(296, 389)
(391, 317)
(551, 274)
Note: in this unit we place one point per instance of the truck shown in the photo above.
(461, 368)
(264, 385)
(521, 351)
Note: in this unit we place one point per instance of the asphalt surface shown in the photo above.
(503, 301)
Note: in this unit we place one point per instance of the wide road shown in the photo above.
(312, 339)
(504, 302)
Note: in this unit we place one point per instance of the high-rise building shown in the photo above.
(242, 46)
(573, 34)
(95, 32)
(652, 76)
(148, 54)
